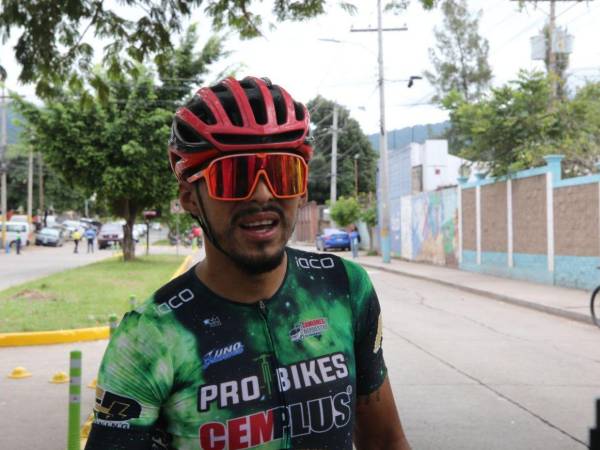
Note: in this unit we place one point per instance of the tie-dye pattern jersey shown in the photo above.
(192, 370)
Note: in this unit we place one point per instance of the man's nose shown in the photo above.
(262, 193)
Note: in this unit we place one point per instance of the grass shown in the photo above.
(162, 242)
(85, 296)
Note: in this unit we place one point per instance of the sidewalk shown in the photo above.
(567, 303)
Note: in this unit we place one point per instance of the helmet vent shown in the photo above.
(187, 134)
(246, 139)
(299, 110)
(280, 109)
(256, 100)
(201, 110)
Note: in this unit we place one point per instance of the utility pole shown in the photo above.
(383, 156)
(3, 144)
(41, 183)
(30, 188)
(334, 148)
(551, 55)
(356, 174)
(550, 44)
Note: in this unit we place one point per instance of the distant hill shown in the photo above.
(419, 133)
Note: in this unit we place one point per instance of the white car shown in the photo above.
(14, 228)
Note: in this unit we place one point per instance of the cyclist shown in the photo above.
(259, 345)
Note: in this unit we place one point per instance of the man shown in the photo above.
(76, 238)
(90, 235)
(259, 345)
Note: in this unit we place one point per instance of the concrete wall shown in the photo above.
(429, 227)
(535, 227)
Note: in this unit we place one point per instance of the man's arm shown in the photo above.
(377, 423)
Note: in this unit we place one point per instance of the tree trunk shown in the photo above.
(370, 239)
(128, 211)
(128, 242)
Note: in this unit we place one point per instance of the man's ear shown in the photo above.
(187, 198)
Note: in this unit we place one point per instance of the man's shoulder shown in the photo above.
(171, 295)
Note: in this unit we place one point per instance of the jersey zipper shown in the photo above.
(262, 307)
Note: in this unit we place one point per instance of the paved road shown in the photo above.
(473, 373)
(467, 372)
(36, 261)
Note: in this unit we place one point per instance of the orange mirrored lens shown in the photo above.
(234, 177)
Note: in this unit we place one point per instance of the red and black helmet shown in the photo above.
(236, 116)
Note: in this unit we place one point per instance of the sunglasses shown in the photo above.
(234, 177)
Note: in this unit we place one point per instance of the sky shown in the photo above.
(295, 56)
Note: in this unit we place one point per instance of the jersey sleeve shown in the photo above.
(134, 379)
(370, 366)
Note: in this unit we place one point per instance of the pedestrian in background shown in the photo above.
(90, 235)
(76, 238)
(18, 242)
(354, 241)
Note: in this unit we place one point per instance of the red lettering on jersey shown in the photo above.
(261, 427)
(236, 430)
(213, 436)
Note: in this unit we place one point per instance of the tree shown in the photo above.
(518, 125)
(117, 148)
(351, 141)
(369, 216)
(54, 44)
(345, 211)
(460, 58)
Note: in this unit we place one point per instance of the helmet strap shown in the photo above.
(202, 220)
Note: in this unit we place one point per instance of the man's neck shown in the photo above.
(224, 278)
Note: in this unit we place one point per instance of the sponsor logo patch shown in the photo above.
(314, 263)
(221, 354)
(307, 328)
(318, 415)
(112, 408)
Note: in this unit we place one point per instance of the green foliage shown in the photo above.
(345, 211)
(116, 148)
(519, 123)
(53, 46)
(460, 57)
(351, 141)
(369, 216)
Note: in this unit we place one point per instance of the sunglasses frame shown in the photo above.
(204, 174)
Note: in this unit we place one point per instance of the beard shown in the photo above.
(259, 259)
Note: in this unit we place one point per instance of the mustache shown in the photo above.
(255, 209)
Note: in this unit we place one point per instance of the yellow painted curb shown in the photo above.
(183, 267)
(53, 337)
(66, 336)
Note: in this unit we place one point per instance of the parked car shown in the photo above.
(91, 223)
(13, 228)
(70, 227)
(19, 218)
(110, 233)
(332, 238)
(50, 236)
(140, 229)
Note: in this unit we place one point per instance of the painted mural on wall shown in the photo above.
(434, 236)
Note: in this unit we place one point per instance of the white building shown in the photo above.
(431, 165)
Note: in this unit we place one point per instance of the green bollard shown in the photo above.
(132, 302)
(112, 323)
(73, 439)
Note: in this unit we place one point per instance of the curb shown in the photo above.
(571, 315)
(67, 336)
